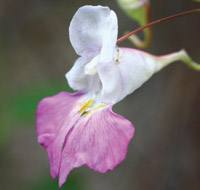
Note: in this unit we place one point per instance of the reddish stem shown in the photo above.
(165, 19)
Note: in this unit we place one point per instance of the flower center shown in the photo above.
(86, 105)
(90, 106)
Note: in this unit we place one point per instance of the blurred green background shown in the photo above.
(35, 53)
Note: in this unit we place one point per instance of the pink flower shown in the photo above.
(80, 128)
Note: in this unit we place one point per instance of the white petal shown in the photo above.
(112, 87)
(78, 80)
(136, 67)
(124, 76)
(91, 67)
(93, 30)
(109, 38)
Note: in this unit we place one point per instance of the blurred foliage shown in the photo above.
(74, 182)
(19, 109)
(139, 11)
(135, 12)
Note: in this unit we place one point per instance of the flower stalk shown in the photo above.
(180, 56)
(165, 19)
(146, 42)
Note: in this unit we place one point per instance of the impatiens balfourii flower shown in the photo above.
(80, 128)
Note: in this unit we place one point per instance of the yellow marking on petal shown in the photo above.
(88, 108)
(85, 106)
(94, 109)
(99, 107)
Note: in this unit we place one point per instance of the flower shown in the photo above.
(80, 128)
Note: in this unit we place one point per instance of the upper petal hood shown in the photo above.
(93, 30)
(102, 70)
(117, 78)
(124, 75)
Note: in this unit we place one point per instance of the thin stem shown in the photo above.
(165, 19)
(146, 42)
(181, 55)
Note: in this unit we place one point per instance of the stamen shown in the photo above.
(85, 106)
(90, 107)
(93, 109)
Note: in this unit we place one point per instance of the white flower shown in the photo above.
(103, 70)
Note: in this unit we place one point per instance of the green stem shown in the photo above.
(182, 56)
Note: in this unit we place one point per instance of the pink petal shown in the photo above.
(99, 141)
(55, 118)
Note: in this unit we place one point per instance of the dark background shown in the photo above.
(35, 53)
